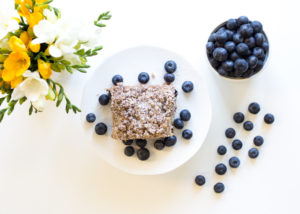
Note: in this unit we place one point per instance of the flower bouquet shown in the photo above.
(35, 44)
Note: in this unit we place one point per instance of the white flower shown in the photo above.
(45, 31)
(7, 23)
(63, 46)
(33, 88)
(50, 16)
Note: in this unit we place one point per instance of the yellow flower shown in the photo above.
(15, 65)
(44, 69)
(25, 37)
(15, 82)
(16, 44)
(34, 18)
(34, 47)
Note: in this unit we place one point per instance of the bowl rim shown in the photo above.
(238, 78)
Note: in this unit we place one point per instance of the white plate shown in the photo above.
(129, 63)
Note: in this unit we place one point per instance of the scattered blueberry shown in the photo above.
(100, 128)
(221, 150)
(127, 142)
(178, 123)
(248, 125)
(238, 117)
(219, 187)
(91, 117)
(230, 133)
(234, 162)
(253, 153)
(159, 145)
(170, 141)
(143, 154)
(143, 77)
(187, 86)
(116, 79)
(254, 108)
(269, 118)
(237, 144)
(141, 142)
(168, 77)
(258, 141)
(129, 151)
(185, 115)
(200, 180)
(220, 54)
(220, 169)
(104, 99)
(187, 134)
(170, 66)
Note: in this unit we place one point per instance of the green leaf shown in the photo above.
(22, 100)
(80, 52)
(98, 48)
(60, 96)
(30, 109)
(99, 24)
(69, 69)
(57, 12)
(2, 100)
(81, 66)
(81, 70)
(8, 98)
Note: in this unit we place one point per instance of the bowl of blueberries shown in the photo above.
(238, 48)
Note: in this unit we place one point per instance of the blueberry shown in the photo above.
(237, 38)
(169, 77)
(170, 141)
(212, 37)
(210, 47)
(221, 150)
(234, 162)
(238, 117)
(229, 46)
(219, 187)
(231, 24)
(116, 79)
(219, 45)
(265, 46)
(220, 169)
(221, 36)
(258, 52)
(250, 42)
(143, 154)
(258, 141)
(253, 153)
(127, 142)
(242, 20)
(100, 128)
(178, 123)
(237, 144)
(200, 180)
(234, 56)
(254, 108)
(229, 34)
(159, 145)
(242, 49)
(91, 117)
(241, 65)
(176, 93)
(257, 26)
(143, 77)
(185, 115)
(187, 134)
(104, 99)
(141, 143)
(248, 125)
(222, 71)
(170, 66)
(252, 61)
(259, 39)
(246, 30)
(129, 151)
(220, 54)
(221, 29)
(214, 63)
(230, 133)
(228, 65)
(269, 118)
(259, 66)
(187, 86)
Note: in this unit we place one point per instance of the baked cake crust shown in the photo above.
(142, 112)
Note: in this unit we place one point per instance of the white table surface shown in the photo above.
(47, 167)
